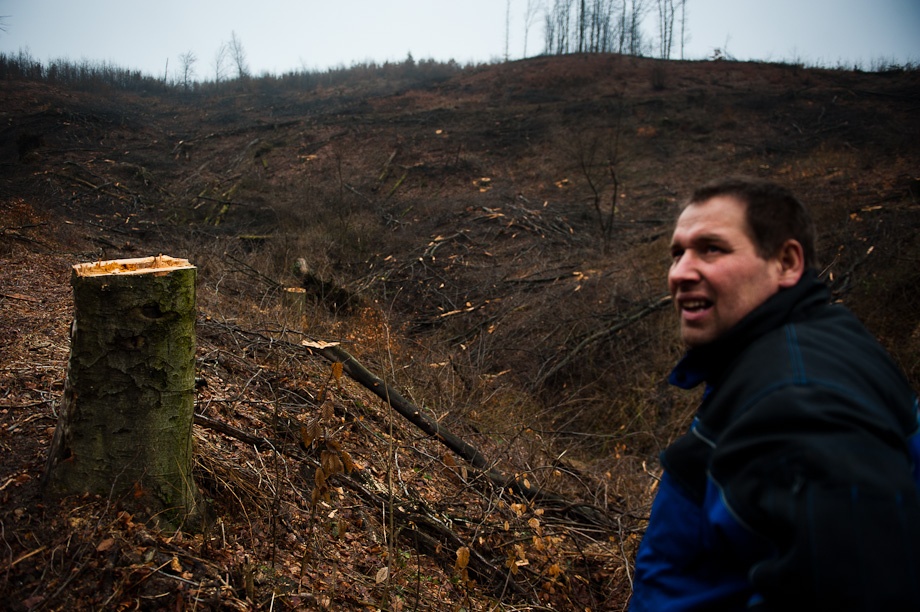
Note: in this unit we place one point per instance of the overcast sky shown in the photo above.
(285, 35)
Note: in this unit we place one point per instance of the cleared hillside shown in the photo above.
(491, 243)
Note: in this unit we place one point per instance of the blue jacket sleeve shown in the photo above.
(693, 556)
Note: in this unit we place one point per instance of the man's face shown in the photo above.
(716, 275)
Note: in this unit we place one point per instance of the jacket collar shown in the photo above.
(707, 362)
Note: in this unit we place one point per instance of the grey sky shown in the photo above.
(286, 35)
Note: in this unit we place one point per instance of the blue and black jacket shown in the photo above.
(797, 486)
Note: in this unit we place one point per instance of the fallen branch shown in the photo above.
(359, 373)
(579, 511)
(629, 319)
(15, 229)
(219, 201)
(436, 537)
(430, 532)
(257, 441)
(19, 296)
(13, 232)
(99, 188)
(249, 270)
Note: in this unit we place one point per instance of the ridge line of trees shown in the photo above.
(569, 26)
(95, 76)
(607, 26)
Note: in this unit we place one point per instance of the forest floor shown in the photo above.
(406, 528)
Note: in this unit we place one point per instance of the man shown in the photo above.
(797, 487)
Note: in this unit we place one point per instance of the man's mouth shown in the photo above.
(695, 305)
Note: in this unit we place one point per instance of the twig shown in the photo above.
(17, 296)
(219, 201)
(258, 442)
(255, 273)
(26, 556)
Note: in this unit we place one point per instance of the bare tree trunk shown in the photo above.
(238, 55)
(666, 27)
(683, 26)
(507, 26)
(530, 16)
(125, 425)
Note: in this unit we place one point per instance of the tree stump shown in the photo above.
(125, 424)
(294, 301)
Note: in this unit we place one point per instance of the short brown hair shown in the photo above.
(773, 214)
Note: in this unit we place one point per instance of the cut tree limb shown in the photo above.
(430, 532)
(253, 440)
(637, 314)
(387, 393)
(469, 453)
(578, 511)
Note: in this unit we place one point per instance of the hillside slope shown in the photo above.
(492, 245)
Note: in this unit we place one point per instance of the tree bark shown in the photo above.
(125, 425)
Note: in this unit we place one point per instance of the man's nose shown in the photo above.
(684, 269)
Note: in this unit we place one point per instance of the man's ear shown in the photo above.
(792, 263)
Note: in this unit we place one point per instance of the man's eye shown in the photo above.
(714, 249)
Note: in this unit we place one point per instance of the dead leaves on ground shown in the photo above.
(278, 536)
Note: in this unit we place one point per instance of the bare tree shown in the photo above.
(187, 68)
(600, 18)
(531, 12)
(558, 21)
(507, 26)
(594, 18)
(220, 62)
(238, 55)
(549, 32)
(665, 27)
(683, 26)
(596, 156)
(595, 29)
(629, 31)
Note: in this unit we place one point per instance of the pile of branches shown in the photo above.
(409, 489)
